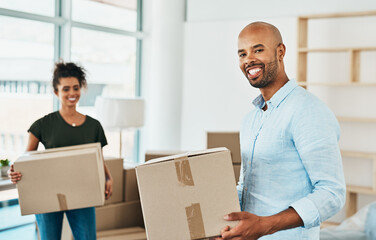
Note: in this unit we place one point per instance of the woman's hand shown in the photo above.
(108, 191)
(14, 176)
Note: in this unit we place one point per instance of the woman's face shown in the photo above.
(68, 91)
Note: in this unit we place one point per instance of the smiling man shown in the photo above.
(291, 176)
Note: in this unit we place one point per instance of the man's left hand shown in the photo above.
(250, 227)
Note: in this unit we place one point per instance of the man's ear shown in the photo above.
(281, 50)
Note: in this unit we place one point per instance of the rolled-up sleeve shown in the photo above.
(315, 135)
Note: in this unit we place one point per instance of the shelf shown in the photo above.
(340, 15)
(361, 190)
(345, 84)
(344, 49)
(356, 119)
(357, 154)
(328, 224)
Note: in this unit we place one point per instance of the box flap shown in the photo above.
(37, 157)
(59, 149)
(184, 155)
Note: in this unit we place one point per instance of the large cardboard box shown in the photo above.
(115, 165)
(237, 168)
(119, 215)
(133, 233)
(228, 140)
(130, 183)
(186, 196)
(52, 180)
(149, 155)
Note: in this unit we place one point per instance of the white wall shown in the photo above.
(216, 95)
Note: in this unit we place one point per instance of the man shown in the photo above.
(291, 177)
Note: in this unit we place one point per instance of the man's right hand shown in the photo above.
(14, 176)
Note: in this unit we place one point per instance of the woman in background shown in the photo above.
(67, 127)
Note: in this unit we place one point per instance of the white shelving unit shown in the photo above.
(353, 81)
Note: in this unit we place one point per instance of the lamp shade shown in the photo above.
(119, 113)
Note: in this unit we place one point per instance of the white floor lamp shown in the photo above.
(120, 113)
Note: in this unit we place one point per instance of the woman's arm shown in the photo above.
(32, 145)
(109, 180)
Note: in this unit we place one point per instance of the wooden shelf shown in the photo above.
(356, 119)
(345, 84)
(344, 49)
(358, 154)
(340, 15)
(361, 190)
(328, 224)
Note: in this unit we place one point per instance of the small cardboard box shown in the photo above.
(130, 183)
(119, 215)
(133, 233)
(149, 155)
(237, 171)
(115, 165)
(186, 196)
(228, 140)
(52, 180)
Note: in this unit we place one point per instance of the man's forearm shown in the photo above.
(286, 219)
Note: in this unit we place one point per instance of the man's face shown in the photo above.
(257, 53)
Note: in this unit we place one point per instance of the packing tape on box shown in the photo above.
(62, 202)
(195, 222)
(183, 171)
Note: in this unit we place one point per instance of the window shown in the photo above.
(109, 13)
(104, 36)
(41, 7)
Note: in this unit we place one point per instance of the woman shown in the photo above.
(67, 127)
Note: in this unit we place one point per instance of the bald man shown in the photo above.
(291, 176)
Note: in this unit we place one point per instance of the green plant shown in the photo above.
(4, 162)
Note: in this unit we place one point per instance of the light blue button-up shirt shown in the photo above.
(291, 158)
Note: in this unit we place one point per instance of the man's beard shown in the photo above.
(268, 76)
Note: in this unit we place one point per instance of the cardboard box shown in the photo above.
(228, 140)
(130, 236)
(52, 180)
(115, 165)
(119, 215)
(66, 233)
(149, 155)
(186, 196)
(120, 231)
(130, 183)
(133, 233)
(237, 168)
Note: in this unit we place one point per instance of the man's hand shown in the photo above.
(250, 227)
(108, 191)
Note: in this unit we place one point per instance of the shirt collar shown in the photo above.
(278, 97)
